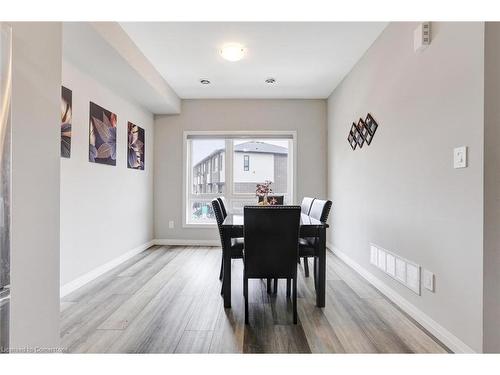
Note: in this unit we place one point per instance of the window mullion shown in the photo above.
(229, 170)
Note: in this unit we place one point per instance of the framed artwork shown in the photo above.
(371, 124)
(352, 139)
(136, 147)
(359, 135)
(66, 120)
(102, 135)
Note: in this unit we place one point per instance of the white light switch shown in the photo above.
(171, 224)
(429, 280)
(460, 157)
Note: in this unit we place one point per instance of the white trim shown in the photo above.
(441, 333)
(95, 273)
(183, 242)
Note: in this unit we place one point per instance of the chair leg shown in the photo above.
(221, 268)
(288, 287)
(245, 295)
(268, 286)
(294, 300)
(275, 286)
(306, 267)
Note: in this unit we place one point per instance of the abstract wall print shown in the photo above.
(136, 147)
(66, 120)
(102, 135)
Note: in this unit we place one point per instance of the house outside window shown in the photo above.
(246, 163)
(210, 173)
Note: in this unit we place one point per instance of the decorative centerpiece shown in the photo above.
(262, 191)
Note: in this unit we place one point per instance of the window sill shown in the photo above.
(198, 226)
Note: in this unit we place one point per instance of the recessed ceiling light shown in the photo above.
(270, 81)
(232, 51)
(204, 81)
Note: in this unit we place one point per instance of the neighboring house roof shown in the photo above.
(250, 147)
(260, 147)
(218, 151)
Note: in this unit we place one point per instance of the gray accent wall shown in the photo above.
(491, 261)
(402, 192)
(307, 117)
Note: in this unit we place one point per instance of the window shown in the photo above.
(246, 163)
(209, 173)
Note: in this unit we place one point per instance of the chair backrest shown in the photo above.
(306, 204)
(274, 200)
(271, 241)
(222, 202)
(218, 218)
(320, 209)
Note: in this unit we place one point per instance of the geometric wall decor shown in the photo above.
(362, 132)
(351, 138)
(136, 147)
(102, 135)
(66, 118)
(371, 126)
(359, 134)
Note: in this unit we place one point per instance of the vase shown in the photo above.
(264, 201)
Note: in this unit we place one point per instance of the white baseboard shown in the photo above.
(95, 273)
(441, 333)
(182, 242)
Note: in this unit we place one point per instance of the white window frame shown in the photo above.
(228, 164)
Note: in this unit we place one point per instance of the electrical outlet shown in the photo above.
(171, 224)
(429, 280)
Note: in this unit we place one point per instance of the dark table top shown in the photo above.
(233, 220)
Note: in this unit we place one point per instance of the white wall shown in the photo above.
(106, 211)
(261, 167)
(402, 192)
(36, 113)
(306, 117)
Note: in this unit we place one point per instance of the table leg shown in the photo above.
(321, 272)
(226, 256)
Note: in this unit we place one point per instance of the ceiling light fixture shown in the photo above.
(204, 81)
(232, 51)
(270, 81)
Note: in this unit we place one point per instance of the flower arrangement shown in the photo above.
(263, 190)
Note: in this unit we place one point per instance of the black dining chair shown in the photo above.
(271, 237)
(237, 244)
(222, 202)
(320, 210)
(274, 200)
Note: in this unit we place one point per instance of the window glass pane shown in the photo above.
(256, 161)
(207, 178)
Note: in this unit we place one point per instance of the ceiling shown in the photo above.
(308, 60)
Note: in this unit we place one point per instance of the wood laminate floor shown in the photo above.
(167, 300)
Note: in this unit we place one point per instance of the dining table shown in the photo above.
(234, 227)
